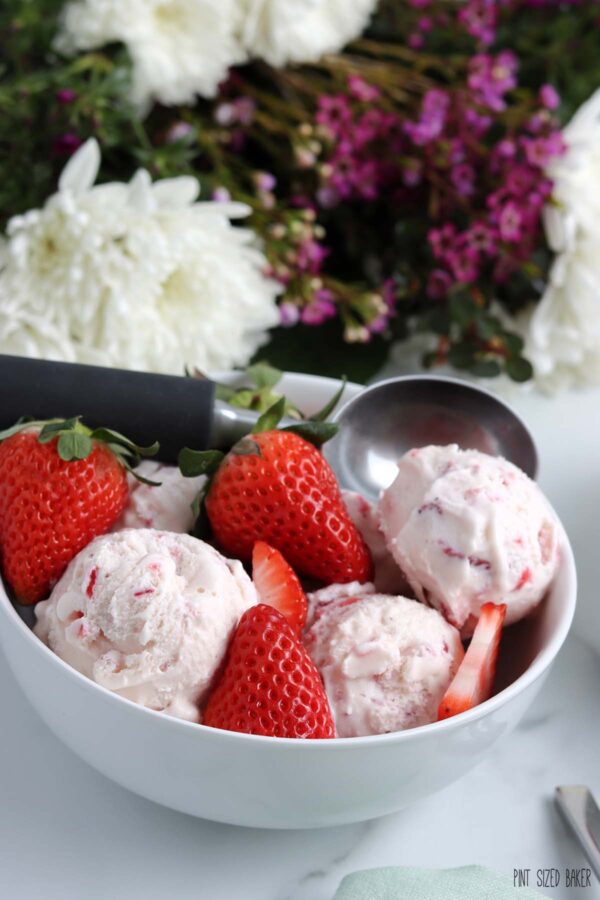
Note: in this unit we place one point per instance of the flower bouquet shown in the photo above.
(402, 170)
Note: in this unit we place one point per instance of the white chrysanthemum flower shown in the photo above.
(282, 31)
(179, 48)
(134, 275)
(563, 332)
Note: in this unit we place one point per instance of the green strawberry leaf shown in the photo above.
(199, 462)
(132, 471)
(23, 423)
(108, 436)
(316, 433)
(263, 375)
(73, 445)
(224, 392)
(271, 418)
(329, 407)
(519, 368)
(60, 426)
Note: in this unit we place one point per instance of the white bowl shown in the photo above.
(274, 782)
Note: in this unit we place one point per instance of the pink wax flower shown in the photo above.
(221, 195)
(442, 240)
(289, 314)
(321, 309)
(479, 19)
(439, 284)
(310, 256)
(549, 97)
(463, 179)
(464, 264)
(510, 222)
(334, 113)
(491, 77)
(481, 237)
(66, 144)
(362, 90)
(66, 96)
(265, 181)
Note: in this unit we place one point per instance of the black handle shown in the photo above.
(174, 410)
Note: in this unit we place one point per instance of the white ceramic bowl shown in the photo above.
(273, 782)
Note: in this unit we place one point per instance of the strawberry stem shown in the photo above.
(75, 441)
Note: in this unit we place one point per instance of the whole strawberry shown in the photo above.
(269, 685)
(277, 487)
(60, 486)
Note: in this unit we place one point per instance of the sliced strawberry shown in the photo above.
(473, 681)
(269, 685)
(278, 585)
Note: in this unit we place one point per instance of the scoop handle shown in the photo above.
(173, 410)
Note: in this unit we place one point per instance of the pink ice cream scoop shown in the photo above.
(466, 529)
(166, 506)
(388, 577)
(386, 661)
(147, 614)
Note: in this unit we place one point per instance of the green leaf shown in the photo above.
(224, 392)
(486, 368)
(329, 407)
(519, 368)
(199, 462)
(246, 398)
(108, 436)
(513, 342)
(316, 433)
(52, 429)
(461, 356)
(263, 375)
(74, 445)
(271, 418)
(462, 308)
(16, 428)
(487, 327)
(127, 465)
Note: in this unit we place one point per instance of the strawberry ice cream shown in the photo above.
(466, 529)
(147, 614)
(386, 661)
(166, 506)
(388, 576)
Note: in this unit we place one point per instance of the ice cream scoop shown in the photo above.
(386, 661)
(165, 505)
(391, 417)
(388, 577)
(375, 427)
(466, 529)
(147, 614)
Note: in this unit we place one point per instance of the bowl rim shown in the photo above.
(534, 671)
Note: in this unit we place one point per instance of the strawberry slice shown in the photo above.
(473, 681)
(278, 585)
(269, 684)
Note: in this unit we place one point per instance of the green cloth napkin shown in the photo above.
(467, 883)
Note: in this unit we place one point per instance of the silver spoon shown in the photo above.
(390, 417)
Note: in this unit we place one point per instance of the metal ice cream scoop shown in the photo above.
(376, 427)
(385, 420)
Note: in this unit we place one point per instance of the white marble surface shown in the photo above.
(66, 832)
